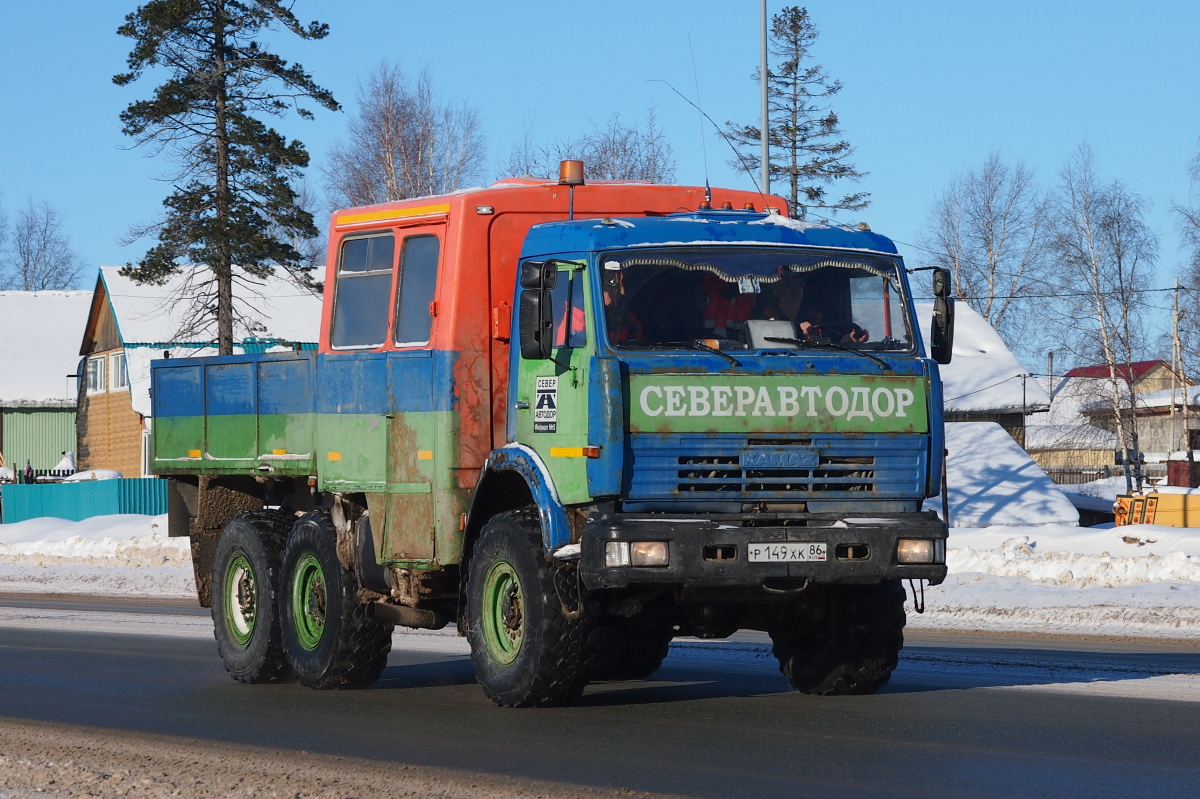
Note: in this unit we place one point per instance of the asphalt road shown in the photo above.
(962, 717)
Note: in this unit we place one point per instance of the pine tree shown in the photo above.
(234, 209)
(807, 152)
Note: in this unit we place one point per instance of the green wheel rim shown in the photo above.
(241, 599)
(503, 612)
(309, 601)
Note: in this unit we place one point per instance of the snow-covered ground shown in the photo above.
(127, 555)
(995, 482)
(1140, 580)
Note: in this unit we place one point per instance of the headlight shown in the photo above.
(636, 553)
(914, 550)
(649, 553)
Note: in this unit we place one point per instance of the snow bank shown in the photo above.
(980, 602)
(105, 555)
(992, 481)
(1079, 557)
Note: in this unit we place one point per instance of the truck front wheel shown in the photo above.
(841, 639)
(629, 653)
(530, 647)
(327, 637)
(245, 584)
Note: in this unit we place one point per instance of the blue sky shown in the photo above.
(930, 89)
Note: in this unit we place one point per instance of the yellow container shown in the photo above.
(1168, 509)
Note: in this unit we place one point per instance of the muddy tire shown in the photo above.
(245, 583)
(327, 638)
(626, 653)
(841, 639)
(527, 651)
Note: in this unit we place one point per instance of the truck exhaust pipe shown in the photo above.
(405, 616)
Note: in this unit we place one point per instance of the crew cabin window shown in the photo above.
(418, 285)
(364, 285)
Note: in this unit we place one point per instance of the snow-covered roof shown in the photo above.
(983, 375)
(39, 346)
(1068, 436)
(150, 314)
(1162, 399)
(992, 481)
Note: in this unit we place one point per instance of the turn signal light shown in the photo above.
(914, 550)
(616, 553)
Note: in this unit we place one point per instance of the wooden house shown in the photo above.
(129, 325)
(38, 335)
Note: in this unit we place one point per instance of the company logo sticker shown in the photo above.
(545, 405)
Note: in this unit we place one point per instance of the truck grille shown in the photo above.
(739, 467)
(724, 474)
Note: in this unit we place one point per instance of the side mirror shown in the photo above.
(535, 324)
(942, 329)
(539, 274)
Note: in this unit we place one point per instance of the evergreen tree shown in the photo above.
(807, 152)
(234, 208)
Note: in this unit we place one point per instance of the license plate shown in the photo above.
(799, 552)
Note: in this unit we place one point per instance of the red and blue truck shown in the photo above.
(576, 419)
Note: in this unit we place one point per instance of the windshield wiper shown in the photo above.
(696, 345)
(828, 345)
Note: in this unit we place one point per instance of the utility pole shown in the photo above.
(1175, 358)
(1182, 377)
(762, 84)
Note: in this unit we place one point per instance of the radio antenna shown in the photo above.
(703, 143)
(736, 154)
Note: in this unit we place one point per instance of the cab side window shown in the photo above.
(566, 303)
(364, 285)
(418, 286)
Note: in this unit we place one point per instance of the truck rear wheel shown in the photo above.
(245, 587)
(627, 653)
(528, 650)
(841, 639)
(327, 637)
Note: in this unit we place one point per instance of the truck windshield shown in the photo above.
(753, 299)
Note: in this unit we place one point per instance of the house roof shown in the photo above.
(151, 315)
(983, 374)
(1068, 436)
(1139, 370)
(39, 346)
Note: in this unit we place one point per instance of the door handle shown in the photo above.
(521, 406)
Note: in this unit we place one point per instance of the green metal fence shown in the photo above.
(39, 435)
(83, 500)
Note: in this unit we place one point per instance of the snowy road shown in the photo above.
(963, 715)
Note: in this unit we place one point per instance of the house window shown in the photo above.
(95, 375)
(364, 288)
(119, 375)
(418, 283)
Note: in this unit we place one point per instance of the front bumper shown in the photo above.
(694, 542)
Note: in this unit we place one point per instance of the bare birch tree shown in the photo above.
(616, 151)
(989, 229)
(1102, 244)
(403, 142)
(37, 255)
